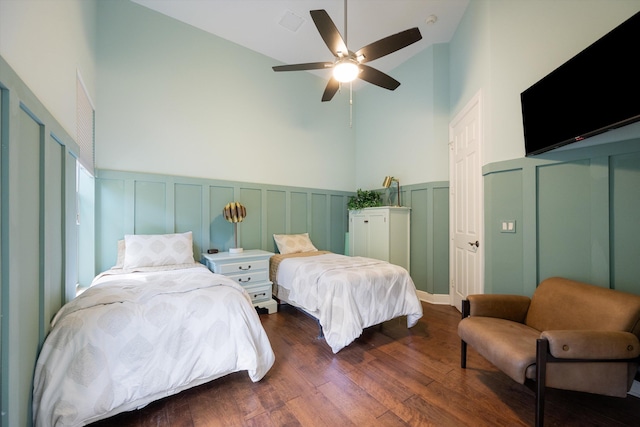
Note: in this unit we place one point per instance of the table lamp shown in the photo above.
(234, 212)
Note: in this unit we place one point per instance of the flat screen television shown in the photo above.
(595, 91)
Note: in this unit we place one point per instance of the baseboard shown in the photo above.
(635, 389)
(442, 299)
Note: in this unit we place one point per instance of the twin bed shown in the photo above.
(159, 323)
(154, 325)
(344, 294)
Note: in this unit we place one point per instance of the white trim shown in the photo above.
(439, 299)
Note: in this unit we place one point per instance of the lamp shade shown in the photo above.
(234, 212)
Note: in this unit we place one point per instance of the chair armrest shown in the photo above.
(587, 344)
(509, 307)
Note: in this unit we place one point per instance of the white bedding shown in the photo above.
(131, 339)
(348, 294)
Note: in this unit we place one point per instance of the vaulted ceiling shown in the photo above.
(284, 31)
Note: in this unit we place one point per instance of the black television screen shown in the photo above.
(596, 90)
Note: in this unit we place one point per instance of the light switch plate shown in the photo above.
(508, 226)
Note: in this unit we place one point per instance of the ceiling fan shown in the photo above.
(349, 65)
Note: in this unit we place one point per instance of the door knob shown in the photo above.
(476, 244)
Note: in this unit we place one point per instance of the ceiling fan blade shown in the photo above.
(332, 87)
(303, 67)
(329, 32)
(377, 78)
(388, 45)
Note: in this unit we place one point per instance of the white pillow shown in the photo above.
(121, 252)
(293, 243)
(150, 250)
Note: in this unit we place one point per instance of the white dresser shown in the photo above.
(250, 269)
(381, 233)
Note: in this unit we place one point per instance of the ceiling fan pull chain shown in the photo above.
(350, 104)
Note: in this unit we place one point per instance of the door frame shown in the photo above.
(476, 103)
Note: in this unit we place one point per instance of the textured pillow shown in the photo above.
(150, 250)
(293, 243)
(120, 259)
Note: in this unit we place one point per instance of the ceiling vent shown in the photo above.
(291, 21)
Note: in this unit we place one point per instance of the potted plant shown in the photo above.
(364, 199)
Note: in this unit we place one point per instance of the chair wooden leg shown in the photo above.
(542, 349)
(466, 310)
(463, 355)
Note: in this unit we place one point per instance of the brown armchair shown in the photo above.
(569, 335)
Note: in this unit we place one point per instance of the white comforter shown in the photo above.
(348, 294)
(131, 339)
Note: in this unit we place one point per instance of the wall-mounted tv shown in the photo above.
(595, 91)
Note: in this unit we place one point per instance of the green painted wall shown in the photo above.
(176, 100)
(138, 203)
(413, 119)
(429, 235)
(576, 214)
(39, 236)
(624, 217)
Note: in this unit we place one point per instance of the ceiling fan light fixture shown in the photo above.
(346, 71)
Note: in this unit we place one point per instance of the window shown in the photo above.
(85, 126)
(85, 191)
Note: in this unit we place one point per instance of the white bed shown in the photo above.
(138, 335)
(345, 294)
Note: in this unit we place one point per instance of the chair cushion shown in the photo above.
(560, 303)
(510, 346)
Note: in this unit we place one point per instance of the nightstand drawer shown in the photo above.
(260, 292)
(246, 279)
(240, 267)
(250, 269)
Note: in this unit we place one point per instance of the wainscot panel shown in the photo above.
(576, 217)
(137, 203)
(625, 223)
(39, 236)
(429, 204)
(170, 204)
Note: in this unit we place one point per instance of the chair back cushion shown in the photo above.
(559, 304)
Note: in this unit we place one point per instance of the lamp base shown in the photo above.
(235, 250)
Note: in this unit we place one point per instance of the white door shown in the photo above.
(466, 250)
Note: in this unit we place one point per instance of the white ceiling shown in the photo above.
(256, 24)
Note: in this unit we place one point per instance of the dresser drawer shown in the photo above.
(260, 292)
(250, 278)
(240, 267)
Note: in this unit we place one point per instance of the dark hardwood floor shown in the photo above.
(390, 376)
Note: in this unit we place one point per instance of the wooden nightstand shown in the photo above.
(250, 269)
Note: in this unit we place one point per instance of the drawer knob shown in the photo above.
(242, 268)
(259, 295)
(244, 281)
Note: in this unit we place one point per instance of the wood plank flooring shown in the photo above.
(390, 376)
